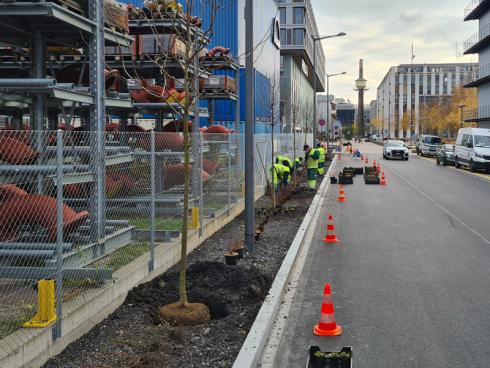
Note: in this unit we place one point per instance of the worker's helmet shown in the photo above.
(306, 147)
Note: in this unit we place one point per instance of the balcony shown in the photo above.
(476, 9)
(482, 113)
(478, 41)
(478, 78)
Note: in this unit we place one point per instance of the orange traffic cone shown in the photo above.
(341, 194)
(374, 163)
(379, 168)
(366, 161)
(339, 156)
(327, 325)
(330, 237)
(383, 179)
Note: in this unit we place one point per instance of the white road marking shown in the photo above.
(439, 205)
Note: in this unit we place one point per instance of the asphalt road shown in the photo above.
(411, 275)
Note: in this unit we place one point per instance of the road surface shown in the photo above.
(411, 275)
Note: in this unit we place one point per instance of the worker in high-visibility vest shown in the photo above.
(280, 175)
(298, 163)
(312, 157)
(321, 160)
(285, 161)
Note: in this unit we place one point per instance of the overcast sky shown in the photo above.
(381, 32)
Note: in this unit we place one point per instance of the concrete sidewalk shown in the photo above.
(410, 283)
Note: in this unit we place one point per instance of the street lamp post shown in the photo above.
(328, 103)
(315, 39)
(462, 113)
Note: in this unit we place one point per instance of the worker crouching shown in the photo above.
(280, 175)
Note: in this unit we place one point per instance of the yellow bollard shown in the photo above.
(195, 218)
(46, 313)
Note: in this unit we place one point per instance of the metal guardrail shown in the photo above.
(479, 36)
(478, 74)
(480, 113)
(471, 6)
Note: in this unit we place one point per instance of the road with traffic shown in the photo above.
(410, 276)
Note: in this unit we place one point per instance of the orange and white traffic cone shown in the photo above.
(327, 325)
(374, 163)
(383, 179)
(330, 237)
(341, 194)
(366, 161)
(339, 156)
(379, 168)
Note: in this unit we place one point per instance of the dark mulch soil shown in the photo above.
(133, 336)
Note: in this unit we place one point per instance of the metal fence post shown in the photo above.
(59, 234)
(229, 175)
(201, 186)
(151, 263)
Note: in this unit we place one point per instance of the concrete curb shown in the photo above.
(253, 347)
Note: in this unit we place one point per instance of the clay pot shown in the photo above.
(174, 175)
(218, 50)
(36, 210)
(15, 152)
(209, 166)
(8, 191)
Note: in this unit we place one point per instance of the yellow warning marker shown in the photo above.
(195, 218)
(46, 313)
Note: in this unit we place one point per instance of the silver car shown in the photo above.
(395, 150)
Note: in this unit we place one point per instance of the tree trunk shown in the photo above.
(185, 215)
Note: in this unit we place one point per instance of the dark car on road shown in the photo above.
(445, 155)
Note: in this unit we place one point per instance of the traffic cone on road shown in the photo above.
(330, 237)
(327, 325)
(341, 194)
(366, 161)
(374, 163)
(379, 168)
(339, 156)
(383, 179)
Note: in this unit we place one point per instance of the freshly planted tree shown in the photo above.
(182, 46)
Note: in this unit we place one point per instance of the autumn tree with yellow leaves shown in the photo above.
(444, 114)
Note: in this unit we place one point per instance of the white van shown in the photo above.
(473, 149)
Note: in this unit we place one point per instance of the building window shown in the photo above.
(298, 15)
(298, 36)
(282, 14)
(283, 37)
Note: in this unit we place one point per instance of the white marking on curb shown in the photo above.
(254, 344)
(439, 205)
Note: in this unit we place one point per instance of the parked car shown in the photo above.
(473, 149)
(428, 145)
(445, 155)
(395, 149)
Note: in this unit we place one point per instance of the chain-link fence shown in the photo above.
(80, 207)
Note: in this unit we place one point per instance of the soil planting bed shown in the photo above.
(133, 336)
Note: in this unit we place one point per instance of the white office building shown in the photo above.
(407, 87)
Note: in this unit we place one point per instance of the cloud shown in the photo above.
(382, 31)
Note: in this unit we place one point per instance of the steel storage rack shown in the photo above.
(224, 62)
(151, 34)
(28, 87)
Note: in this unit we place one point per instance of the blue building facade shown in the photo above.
(229, 31)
